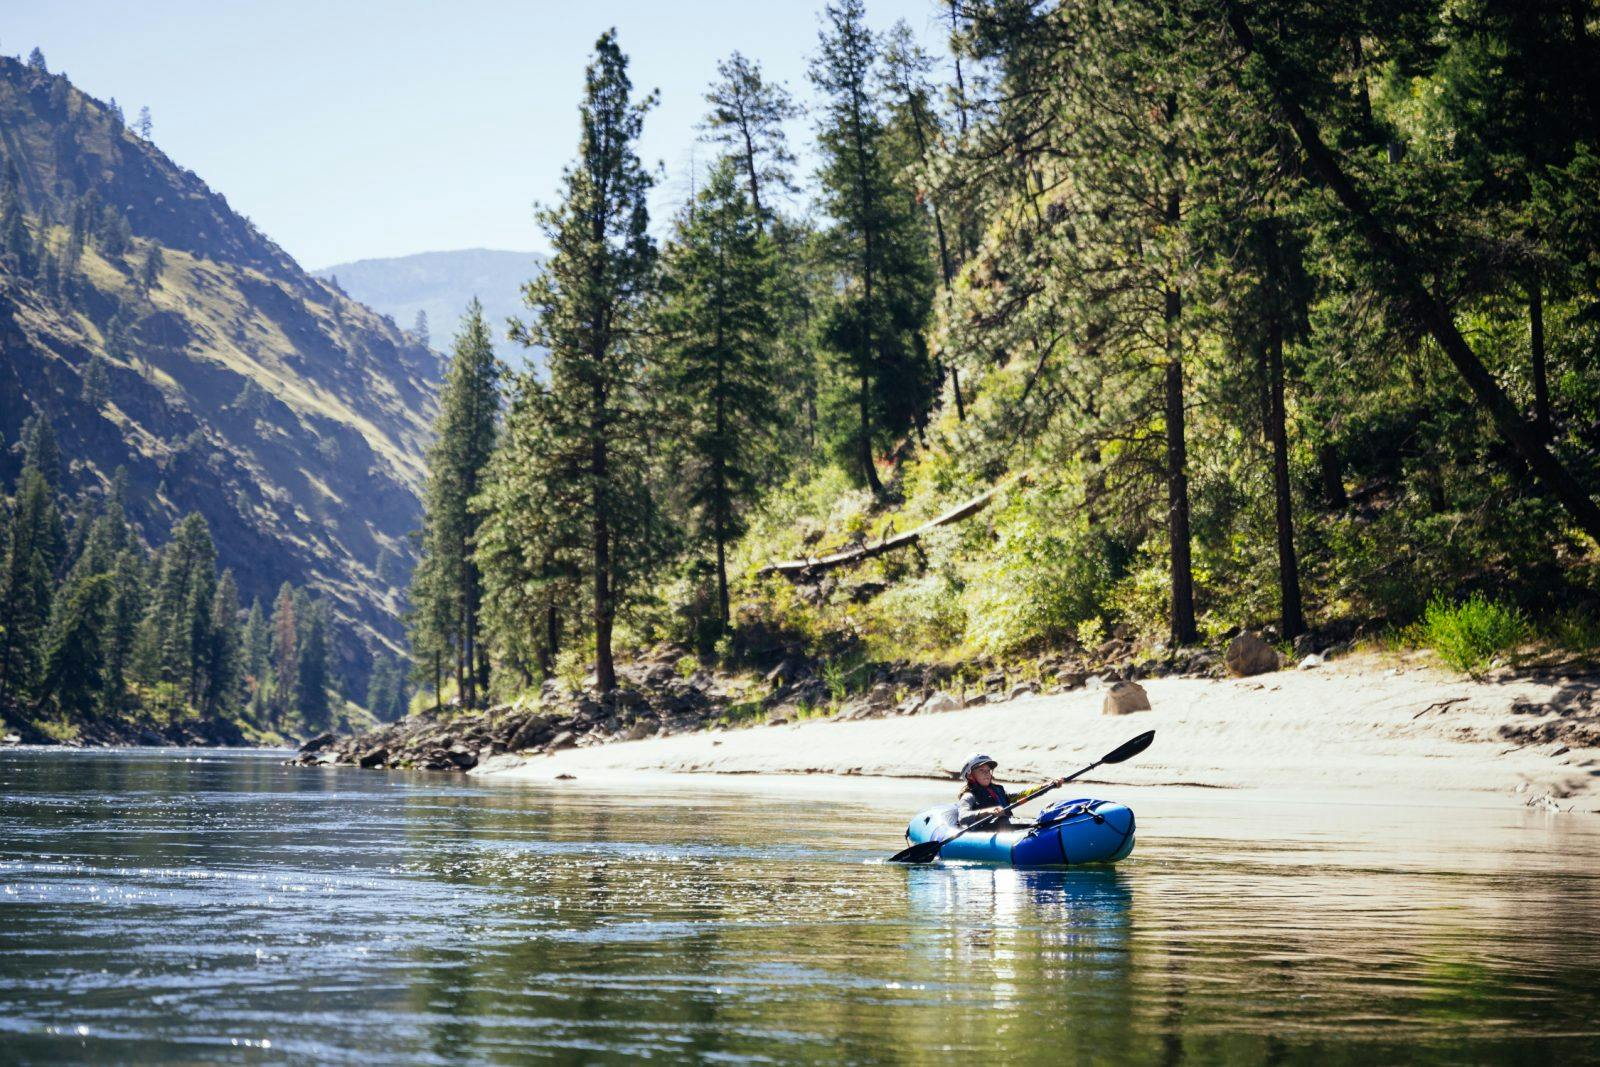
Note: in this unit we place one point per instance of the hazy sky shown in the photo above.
(355, 128)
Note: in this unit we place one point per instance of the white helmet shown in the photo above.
(976, 760)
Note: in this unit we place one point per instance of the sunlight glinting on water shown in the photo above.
(152, 908)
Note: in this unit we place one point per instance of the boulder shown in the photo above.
(1022, 689)
(881, 695)
(564, 739)
(1311, 662)
(787, 672)
(318, 743)
(1124, 698)
(940, 701)
(373, 757)
(1247, 654)
(505, 761)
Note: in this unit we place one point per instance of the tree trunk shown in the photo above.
(461, 681)
(1332, 470)
(1409, 292)
(1181, 615)
(1293, 617)
(438, 680)
(1541, 387)
(605, 672)
(869, 346)
(869, 470)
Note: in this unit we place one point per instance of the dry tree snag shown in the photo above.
(795, 568)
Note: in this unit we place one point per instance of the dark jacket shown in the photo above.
(976, 797)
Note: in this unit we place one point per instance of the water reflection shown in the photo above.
(168, 909)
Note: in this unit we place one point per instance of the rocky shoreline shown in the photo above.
(657, 697)
(117, 733)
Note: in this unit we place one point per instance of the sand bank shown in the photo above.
(1358, 728)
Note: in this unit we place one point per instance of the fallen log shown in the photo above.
(796, 568)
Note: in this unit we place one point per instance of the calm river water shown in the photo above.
(184, 907)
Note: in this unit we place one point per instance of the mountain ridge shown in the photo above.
(440, 283)
(160, 331)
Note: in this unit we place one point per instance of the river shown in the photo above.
(202, 906)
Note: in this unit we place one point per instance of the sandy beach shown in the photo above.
(1359, 728)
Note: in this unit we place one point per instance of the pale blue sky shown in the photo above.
(355, 128)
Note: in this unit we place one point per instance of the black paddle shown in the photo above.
(928, 851)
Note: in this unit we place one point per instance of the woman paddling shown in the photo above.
(984, 797)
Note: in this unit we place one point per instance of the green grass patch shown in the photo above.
(1468, 635)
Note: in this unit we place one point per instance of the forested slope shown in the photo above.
(1277, 316)
(160, 333)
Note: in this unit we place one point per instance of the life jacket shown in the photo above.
(992, 795)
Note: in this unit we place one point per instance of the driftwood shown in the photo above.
(795, 568)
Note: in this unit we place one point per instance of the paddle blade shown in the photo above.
(923, 852)
(1129, 749)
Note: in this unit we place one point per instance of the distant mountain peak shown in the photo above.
(440, 284)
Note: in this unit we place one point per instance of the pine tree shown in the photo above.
(918, 124)
(719, 330)
(312, 684)
(875, 324)
(177, 629)
(285, 655)
(419, 330)
(224, 675)
(586, 307)
(15, 241)
(150, 270)
(40, 451)
(128, 601)
(145, 126)
(531, 541)
(255, 646)
(746, 119)
(95, 381)
(448, 586)
(74, 664)
(33, 550)
(36, 61)
(113, 236)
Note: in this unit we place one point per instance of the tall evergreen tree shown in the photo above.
(74, 662)
(719, 329)
(586, 307)
(448, 585)
(875, 324)
(312, 685)
(746, 119)
(285, 655)
(127, 606)
(223, 691)
(33, 551)
(531, 545)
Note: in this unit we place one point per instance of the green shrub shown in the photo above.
(917, 617)
(1468, 635)
(1046, 573)
(1576, 631)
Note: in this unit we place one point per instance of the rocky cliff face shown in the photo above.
(161, 332)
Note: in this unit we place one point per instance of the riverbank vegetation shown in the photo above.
(1277, 316)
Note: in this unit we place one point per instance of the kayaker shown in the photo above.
(983, 797)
